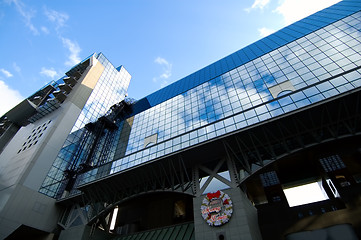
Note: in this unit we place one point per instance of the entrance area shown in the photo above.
(313, 189)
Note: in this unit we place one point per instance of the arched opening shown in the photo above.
(330, 175)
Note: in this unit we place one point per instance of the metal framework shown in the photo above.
(256, 147)
(103, 129)
(101, 197)
(247, 150)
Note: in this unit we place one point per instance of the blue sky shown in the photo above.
(157, 41)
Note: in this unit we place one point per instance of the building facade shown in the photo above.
(214, 155)
(38, 128)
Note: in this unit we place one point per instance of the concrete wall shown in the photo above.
(22, 173)
(242, 225)
(64, 122)
(28, 207)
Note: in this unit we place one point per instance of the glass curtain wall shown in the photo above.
(314, 68)
(110, 89)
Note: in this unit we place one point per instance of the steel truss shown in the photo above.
(247, 150)
(160, 176)
(258, 146)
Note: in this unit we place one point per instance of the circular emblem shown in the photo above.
(216, 208)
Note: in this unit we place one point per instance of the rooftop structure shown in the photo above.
(214, 155)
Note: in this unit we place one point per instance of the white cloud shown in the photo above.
(26, 13)
(161, 61)
(16, 67)
(6, 73)
(74, 50)
(167, 71)
(264, 32)
(48, 72)
(167, 67)
(164, 83)
(57, 17)
(258, 4)
(8, 98)
(44, 30)
(294, 10)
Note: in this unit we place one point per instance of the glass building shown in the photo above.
(303, 64)
(39, 136)
(111, 87)
(217, 154)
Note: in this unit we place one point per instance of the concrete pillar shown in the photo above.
(242, 225)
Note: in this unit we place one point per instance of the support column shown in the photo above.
(195, 181)
(242, 225)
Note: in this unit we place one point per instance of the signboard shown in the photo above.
(216, 208)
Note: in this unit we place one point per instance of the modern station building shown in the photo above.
(218, 154)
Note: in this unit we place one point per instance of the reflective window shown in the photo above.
(314, 64)
(110, 89)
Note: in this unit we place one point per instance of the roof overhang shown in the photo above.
(21, 112)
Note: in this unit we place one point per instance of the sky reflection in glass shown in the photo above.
(314, 65)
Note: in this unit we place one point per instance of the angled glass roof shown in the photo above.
(252, 51)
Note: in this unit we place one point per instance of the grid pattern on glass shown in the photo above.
(332, 163)
(269, 179)
(319, 65)
(111, 88)
(246, 87)
(48, 107)
(257, 49)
